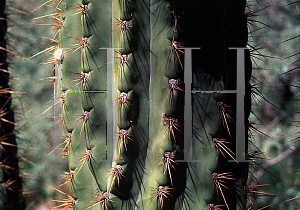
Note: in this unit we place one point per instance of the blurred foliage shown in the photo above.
(276, 118)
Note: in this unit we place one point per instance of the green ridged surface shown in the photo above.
(145, 78)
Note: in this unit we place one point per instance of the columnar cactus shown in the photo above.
(148, 169)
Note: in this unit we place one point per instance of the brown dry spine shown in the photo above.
(174, 50)
(81, 9)
(82, 43)
(3, 113)
(104, 199)
(222, 109)
(54, 1)
(116, 172)
(61, 101)
(63, 155)
(251, 193)
(123, 100)
(87, 157)
(68, 176)
(5, 167)
(172, 85)
(218, 182)
(9, 185)
(84, 117)
(122, 60)
(123, 25)
(57, 24)
(68, 203)
(82, 78)
(168, 159)
(2, 142)
(170, 123)
(220, 144)
(123, 135)
(66, 141)
(160, 192)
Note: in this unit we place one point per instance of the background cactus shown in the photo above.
(11, 184)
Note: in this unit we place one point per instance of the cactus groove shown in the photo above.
(149, 102)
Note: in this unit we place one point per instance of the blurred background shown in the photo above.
(274, 44)
(25, 39)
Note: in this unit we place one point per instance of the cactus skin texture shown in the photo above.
(11, 183)
(149, 103)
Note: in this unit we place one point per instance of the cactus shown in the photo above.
(11, 183)
(148, 104)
